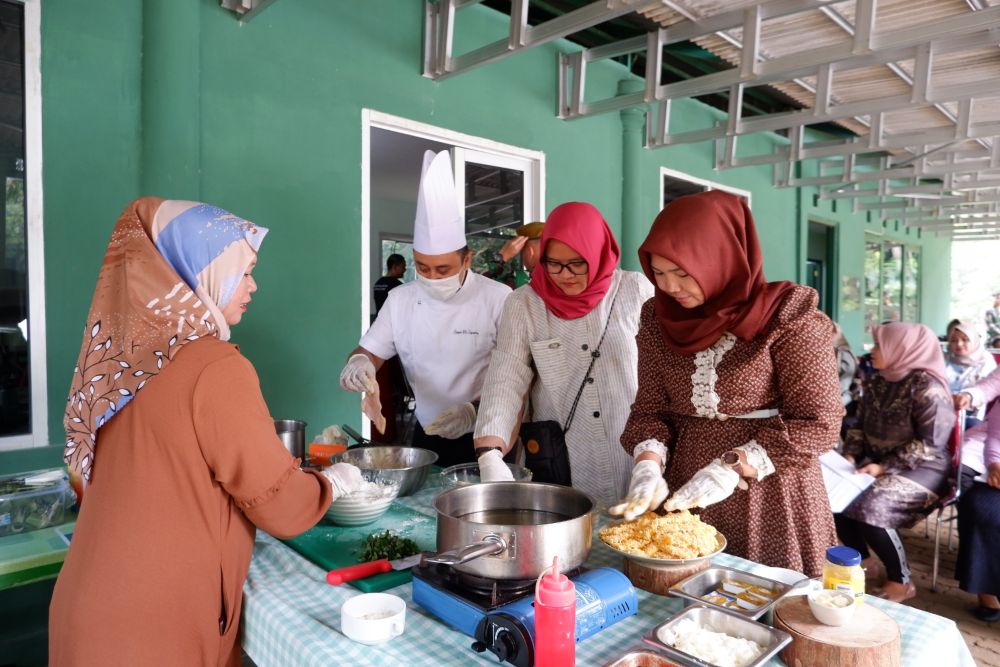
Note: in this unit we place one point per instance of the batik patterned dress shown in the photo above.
(788, 377)
(905, 426)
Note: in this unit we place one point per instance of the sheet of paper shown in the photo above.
(843, 485)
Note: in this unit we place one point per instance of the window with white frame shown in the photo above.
(23, 398)
(674, 184)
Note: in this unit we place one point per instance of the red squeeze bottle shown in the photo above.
(555, 619)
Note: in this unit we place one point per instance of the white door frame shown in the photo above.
(496, 153)
(499, 154)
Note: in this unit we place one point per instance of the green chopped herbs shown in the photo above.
(387, 545)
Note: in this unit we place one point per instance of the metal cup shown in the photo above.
(292, 433)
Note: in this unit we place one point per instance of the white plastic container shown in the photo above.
(373, 618)
(34, 500)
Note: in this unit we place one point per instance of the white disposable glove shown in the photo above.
(453, 422)
(358, 374)
(646, 490)
(708, 486)
(493, 469)
(344, 478)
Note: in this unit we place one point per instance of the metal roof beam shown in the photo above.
(687, 30)
(439, 28)
(962, 32)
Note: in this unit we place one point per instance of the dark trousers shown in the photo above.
(884, 542)
(450, 452)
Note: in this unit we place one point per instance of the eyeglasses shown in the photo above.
(577, 267)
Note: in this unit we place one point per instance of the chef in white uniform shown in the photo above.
(443, 325)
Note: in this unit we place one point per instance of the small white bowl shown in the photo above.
(373, 618)
(360, 509)
(832, 615)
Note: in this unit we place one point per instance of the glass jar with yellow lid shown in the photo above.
(843, 572)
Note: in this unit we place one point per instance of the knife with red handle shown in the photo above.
(372, 567)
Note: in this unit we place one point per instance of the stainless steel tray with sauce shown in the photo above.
(697, 586)
(642, 656)
(717, 620)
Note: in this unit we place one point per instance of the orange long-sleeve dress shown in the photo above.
(181, 480)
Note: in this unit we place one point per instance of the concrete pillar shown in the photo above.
(171, 99)
(634, 215)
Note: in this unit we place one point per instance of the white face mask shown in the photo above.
(442, 289)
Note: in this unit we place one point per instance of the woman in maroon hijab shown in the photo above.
(737, 389)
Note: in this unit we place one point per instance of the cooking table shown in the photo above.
(291, 616)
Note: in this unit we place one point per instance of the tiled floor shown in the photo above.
(951, 602)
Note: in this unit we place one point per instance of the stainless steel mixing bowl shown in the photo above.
(408, 465)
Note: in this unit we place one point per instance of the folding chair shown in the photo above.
(955, 450)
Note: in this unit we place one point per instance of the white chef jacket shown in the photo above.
(444, 346)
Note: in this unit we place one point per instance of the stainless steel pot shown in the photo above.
(293, 436)
(512, 530)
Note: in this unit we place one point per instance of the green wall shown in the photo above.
(178, 99)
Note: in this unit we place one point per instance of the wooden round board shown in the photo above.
(659, 578)
(870, 638)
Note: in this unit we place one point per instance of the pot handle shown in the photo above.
(489, 546)
(362, 441)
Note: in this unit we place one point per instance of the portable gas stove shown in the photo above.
(500, 615)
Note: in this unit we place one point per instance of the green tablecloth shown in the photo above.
(292, 617)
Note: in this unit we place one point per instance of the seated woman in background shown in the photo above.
(967, 362)
(904, 422)
(976, 397)
(850, 383)
(977, 567)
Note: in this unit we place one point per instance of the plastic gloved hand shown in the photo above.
(358, 374)
(344, 478)
(493, 469)
(708, 486)
(646, 490)
(453, 422)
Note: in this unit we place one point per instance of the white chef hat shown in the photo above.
(439, 227)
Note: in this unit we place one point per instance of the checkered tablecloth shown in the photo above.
(292, 617)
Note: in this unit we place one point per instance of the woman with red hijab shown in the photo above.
(904, 422)
(568, 339)
(737, 389)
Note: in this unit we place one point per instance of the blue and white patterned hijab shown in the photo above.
(170, 269)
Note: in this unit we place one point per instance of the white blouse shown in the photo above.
(561, 351)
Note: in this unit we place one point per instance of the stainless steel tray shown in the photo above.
(710, 579)
(717, 620)
(642, 656)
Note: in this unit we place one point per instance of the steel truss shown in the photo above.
(947, 173)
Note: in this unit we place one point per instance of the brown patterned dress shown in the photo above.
(691, 403)
(905, 426)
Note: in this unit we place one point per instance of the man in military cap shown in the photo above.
(527, 243)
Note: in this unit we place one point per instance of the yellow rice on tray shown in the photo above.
(676, 535)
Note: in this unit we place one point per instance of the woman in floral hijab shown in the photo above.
(189, 460)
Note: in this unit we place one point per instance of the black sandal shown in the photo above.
(986, 614)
